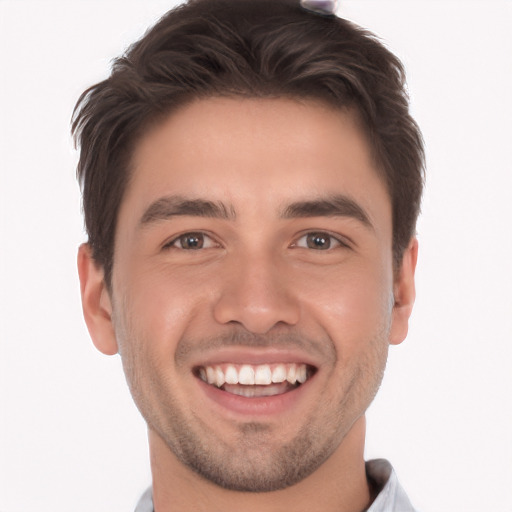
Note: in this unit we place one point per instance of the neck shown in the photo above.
(338, 485)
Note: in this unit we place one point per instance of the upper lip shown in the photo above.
(255, 356)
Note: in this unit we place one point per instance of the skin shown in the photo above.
(258, 288)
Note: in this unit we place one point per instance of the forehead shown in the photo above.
(264, 152)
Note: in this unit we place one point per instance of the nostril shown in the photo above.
(258, 317)
(253, 292)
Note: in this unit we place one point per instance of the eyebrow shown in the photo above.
(333, 206)
(171, 206)
(167, 207)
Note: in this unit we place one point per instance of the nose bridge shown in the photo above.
(255, 293)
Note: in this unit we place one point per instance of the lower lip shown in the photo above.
(260, 406)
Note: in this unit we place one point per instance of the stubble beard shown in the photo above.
(251, 464)
(256, 462)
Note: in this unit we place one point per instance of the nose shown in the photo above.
(256, 294)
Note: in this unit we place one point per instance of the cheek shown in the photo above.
(353, 306)
(155, 308)
(161, 303)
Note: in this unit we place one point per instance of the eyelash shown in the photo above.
(339, 242)
(191, 234)
(210, 243)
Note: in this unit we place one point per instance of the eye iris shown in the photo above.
(318, 241)
(192, 241)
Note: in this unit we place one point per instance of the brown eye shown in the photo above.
(192, 242)
(319, 241)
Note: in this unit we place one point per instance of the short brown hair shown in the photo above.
(254, 48)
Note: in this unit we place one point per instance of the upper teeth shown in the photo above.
(246, 374)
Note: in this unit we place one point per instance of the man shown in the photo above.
(251, 180)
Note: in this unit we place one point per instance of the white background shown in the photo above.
(71, 439)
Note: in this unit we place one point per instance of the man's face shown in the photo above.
(252, 296)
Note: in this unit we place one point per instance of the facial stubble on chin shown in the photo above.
(250, 465)
(252, 462)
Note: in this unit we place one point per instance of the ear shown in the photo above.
(404, 294)
(96, 303)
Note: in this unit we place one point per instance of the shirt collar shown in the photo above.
(391, 495)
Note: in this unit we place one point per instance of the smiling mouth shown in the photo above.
(256, 381)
